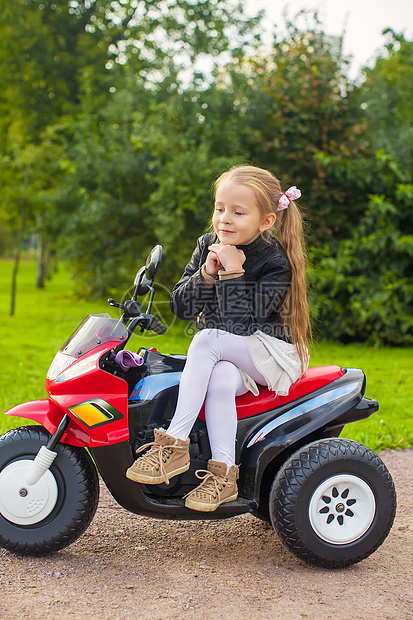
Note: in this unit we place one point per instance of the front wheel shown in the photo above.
(51, 514)
(333, 503)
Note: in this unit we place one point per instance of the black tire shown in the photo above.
(74, 502)
(320, 529)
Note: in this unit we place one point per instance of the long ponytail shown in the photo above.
(289, 230)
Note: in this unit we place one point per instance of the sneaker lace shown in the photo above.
(158, 456)
(211, 483)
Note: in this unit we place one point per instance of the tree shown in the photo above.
(143, 175)
(298, 114)
(386, 96)
(363, 290)
(17, 192)
(62, 60)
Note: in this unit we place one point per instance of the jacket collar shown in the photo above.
(257, 246)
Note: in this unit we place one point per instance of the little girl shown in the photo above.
(248, 290)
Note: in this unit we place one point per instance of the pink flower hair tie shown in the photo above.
(291, 194)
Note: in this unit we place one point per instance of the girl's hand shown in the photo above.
(212, 264)
(230, 257)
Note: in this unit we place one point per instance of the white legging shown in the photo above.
(211, 374)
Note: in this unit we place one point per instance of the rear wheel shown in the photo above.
(333, 503)
(51, 514)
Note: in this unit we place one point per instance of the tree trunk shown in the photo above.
(19, 242)
(48, 267)
(40, 261)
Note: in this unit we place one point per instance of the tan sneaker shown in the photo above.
(217, 487)
(166, 458)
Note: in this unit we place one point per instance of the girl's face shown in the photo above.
(237, 219)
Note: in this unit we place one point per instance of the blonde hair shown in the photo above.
(288, 228)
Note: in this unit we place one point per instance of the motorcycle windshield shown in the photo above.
(95, 330)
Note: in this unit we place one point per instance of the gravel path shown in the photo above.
(130, 567)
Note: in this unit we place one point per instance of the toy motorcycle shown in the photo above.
(331, 501)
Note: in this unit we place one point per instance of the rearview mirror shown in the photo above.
(153, 261)
(138, 276)
(141, 283)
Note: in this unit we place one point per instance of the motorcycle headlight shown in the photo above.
(59, 364)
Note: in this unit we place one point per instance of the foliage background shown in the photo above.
(111, 138)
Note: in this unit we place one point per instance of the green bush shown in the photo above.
(363, 290)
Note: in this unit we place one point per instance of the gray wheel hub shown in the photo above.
(23, 504)
(341, 509)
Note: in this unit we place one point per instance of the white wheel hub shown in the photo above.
(341, 509)
(23, 504)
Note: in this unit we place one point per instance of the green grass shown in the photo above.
(389, 374)
(44, 319)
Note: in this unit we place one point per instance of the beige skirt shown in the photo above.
(278, 361)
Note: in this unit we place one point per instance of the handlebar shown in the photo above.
(148, 322)
(158, 328)
(132, 309)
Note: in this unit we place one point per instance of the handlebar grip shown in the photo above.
(158, 328)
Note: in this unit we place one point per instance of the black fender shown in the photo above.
(299, 422)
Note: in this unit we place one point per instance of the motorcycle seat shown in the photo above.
(314, 378)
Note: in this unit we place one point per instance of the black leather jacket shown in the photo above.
(237, 305)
